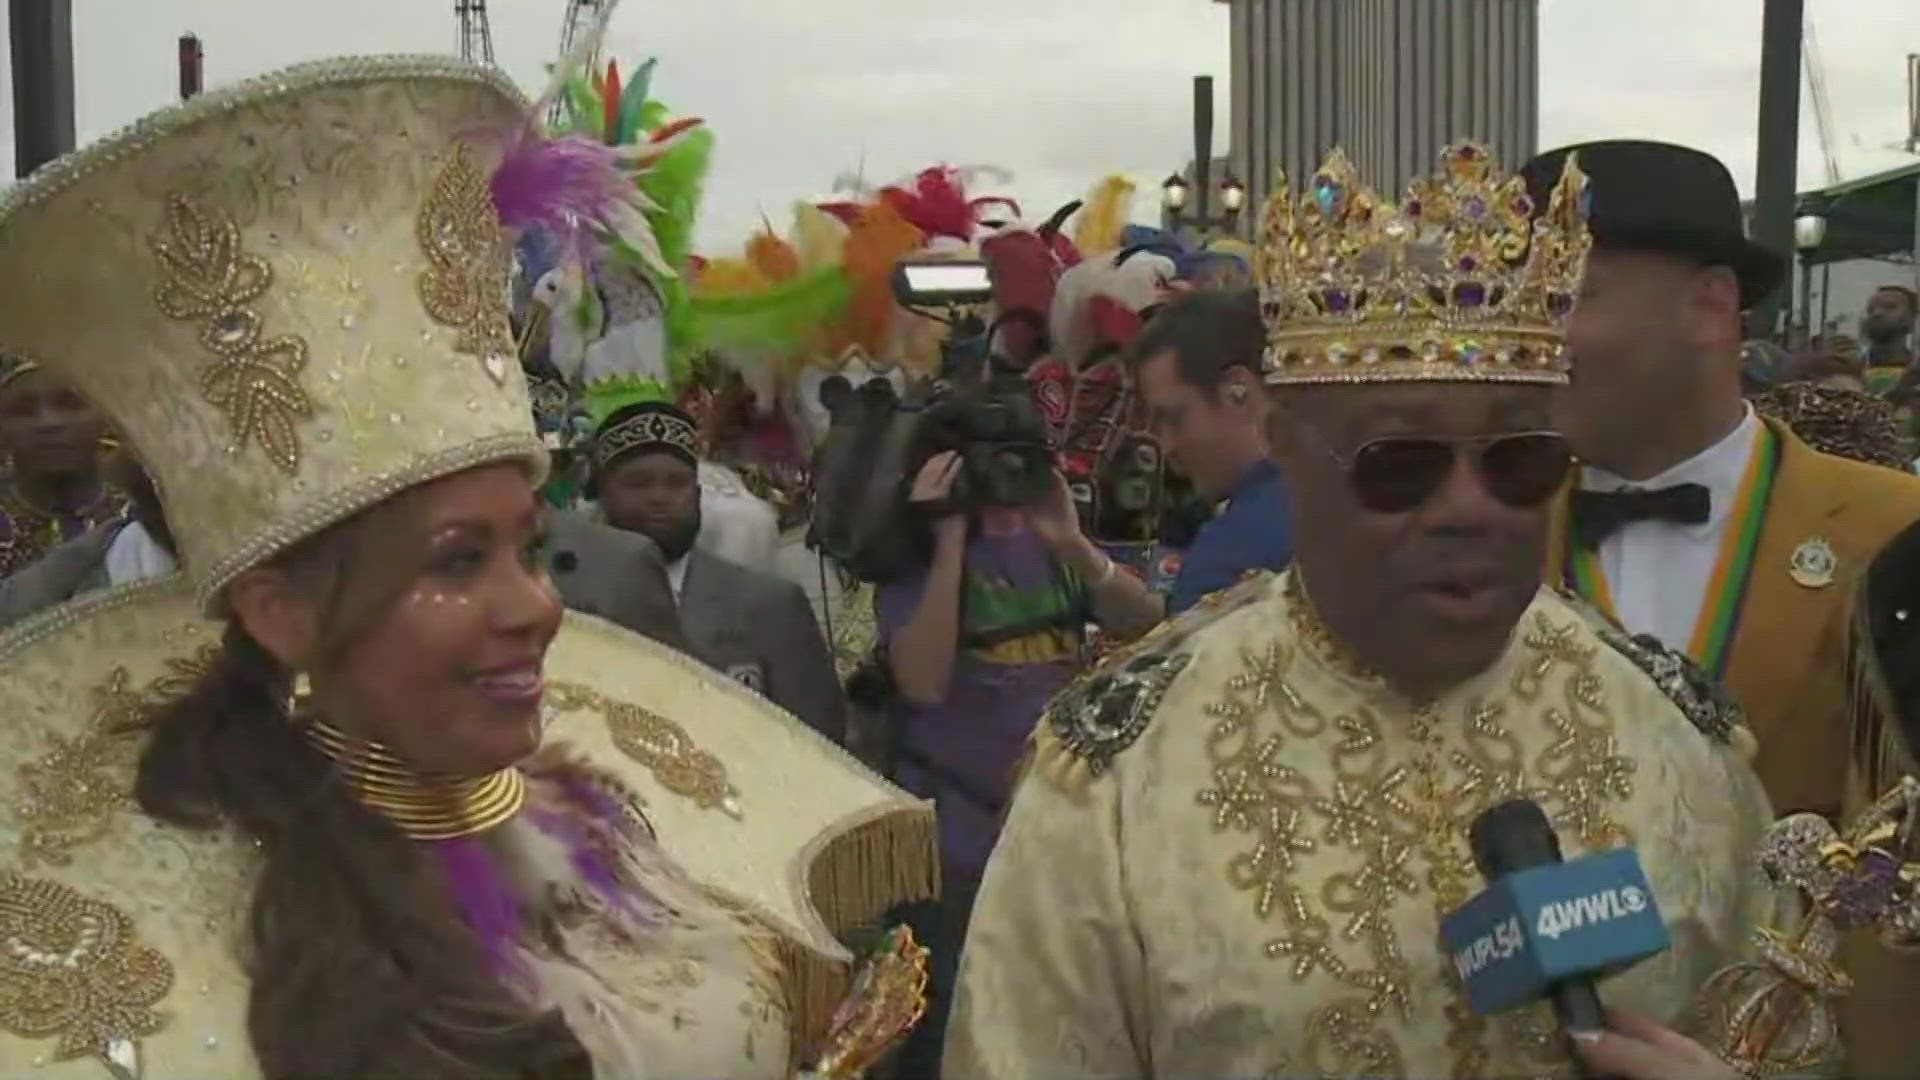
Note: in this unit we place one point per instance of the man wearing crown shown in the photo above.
(1234, 842)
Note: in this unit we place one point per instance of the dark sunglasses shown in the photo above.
(1395, 474)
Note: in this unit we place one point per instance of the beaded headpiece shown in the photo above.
(311, 274)
(650, 425)
(1461, 282)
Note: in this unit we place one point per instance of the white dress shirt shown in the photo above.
(1658, 571)
(134, 555)
(677, 576)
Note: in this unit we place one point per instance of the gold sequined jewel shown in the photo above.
(661, 745)
(206, 278)
(465, 285)
(71, 968)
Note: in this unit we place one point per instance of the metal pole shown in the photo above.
(42, 32)
(1774, 172)
(1806, 300)
(1826, 291)
(1202, 153)
(190, 70)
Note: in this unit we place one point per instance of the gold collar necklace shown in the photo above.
(425, 806)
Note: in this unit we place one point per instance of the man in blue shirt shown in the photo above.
(1197, 368)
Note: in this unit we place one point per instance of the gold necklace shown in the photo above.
(426, 806)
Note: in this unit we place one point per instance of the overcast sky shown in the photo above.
(1056, 92)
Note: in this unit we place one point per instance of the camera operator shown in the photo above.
(976, 642)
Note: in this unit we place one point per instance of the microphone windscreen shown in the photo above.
(1512, 836)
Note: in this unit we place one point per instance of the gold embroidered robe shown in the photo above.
(1253, 887)
(121, 938)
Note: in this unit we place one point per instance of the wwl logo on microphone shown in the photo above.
(1536, 927)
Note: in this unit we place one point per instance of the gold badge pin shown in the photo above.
(1813, 564)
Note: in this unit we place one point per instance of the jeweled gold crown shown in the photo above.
(290, 296)
(1459, 282)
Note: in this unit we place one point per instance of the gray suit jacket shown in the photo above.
(759, 628)
(64, 572)
(614, 574)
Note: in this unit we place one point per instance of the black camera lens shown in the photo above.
(992, 420)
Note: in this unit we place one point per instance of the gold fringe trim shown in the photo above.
(1880, 752)
(1062, 769)
(814, 986)
(871, 862)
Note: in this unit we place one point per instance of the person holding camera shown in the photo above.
(976, 642)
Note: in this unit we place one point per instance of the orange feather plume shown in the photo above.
(880, 237)
(773, 256)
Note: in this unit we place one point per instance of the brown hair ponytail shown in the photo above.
(359, 961)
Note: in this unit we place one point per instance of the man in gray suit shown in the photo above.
(747, 622)
(619, 576)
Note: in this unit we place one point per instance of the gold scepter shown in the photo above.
(888, 998)
(1777, 1015)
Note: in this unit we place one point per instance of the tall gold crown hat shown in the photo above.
(1460, 282)
(290, 295)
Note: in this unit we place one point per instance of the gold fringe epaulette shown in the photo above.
(865, 866)
(1106, 709)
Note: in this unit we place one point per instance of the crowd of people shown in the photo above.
(453, 628)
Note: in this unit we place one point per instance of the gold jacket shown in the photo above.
(1233, 848)
(1788, 670)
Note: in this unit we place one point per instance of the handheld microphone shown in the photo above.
(1544, 927)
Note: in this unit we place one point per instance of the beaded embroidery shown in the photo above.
(71, 967)
(465, 285)
(207, 278)
(1701, 700)
(1102, 715)
(1105, 710)
(70, 794)
(658, 743)
(1403, 819)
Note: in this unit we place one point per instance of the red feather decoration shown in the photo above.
(610, 102)
(674, 127)
(936, 204)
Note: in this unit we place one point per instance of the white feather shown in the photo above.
(632, 227)
(635, 349)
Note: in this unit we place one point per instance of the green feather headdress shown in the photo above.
(671, 159)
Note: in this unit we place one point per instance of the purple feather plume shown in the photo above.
(485, 899)
(603, 817)
(555, 184)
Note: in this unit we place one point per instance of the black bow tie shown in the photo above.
(1599, 514)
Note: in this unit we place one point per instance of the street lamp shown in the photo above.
(1173, 193)
(1233, 194)
(1809, 232)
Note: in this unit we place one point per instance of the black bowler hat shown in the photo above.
(1651, 196)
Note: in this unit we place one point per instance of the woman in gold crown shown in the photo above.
(390, 811)
(1237, 840)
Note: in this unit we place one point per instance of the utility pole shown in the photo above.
(1913, 147)
(1776, 172)
(42, 32)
